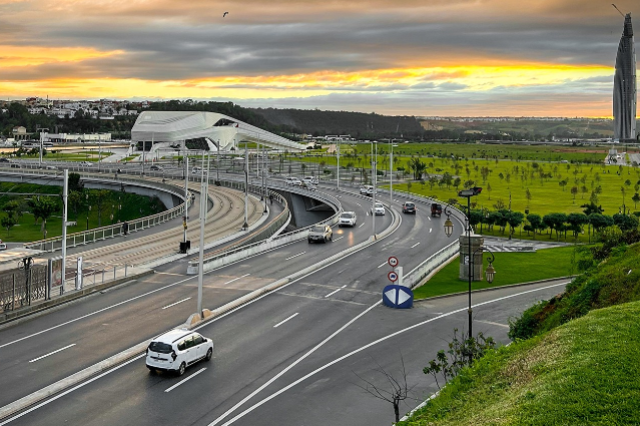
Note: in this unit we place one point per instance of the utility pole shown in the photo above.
(65, 194)
(338, 168)
(203, 215)
(186, 185)
(373, 182)
(245, 225)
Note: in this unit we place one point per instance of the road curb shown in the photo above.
(484, 290)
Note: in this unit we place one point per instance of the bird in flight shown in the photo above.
(225, 14)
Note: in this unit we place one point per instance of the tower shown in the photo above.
(624, 86)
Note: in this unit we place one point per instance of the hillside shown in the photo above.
(582, 373)
(356, 124)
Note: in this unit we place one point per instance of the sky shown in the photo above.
(394, 57)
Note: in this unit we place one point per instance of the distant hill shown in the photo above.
(356, 124)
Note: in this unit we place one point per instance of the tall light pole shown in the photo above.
(338, 168)
(391, 145)
(245, 225)
(374, 176)
(203, 215)
(218, 163)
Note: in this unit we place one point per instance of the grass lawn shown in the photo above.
(77, 156)
(581, 373)
(511, 268)
(133, 206)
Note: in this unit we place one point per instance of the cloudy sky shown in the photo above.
(416, 57)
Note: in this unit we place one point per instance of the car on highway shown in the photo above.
(348, 219)
(293, 181)
(4, 160)
(436, 210)
(156, 168)
(310, 180)
(86, 163)
(366, 190)
(14, 165)
(320, 233)
(409, 207)
(3, 246)
(196, 170)
(379, 210)
(176, 350)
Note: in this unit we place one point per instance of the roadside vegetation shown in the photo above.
(38, 212)
(511, 268)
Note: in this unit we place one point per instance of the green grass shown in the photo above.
(511, 268)
(583, 373)
(133, 206)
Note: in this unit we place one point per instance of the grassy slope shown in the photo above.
(574, 375)
(511, 268)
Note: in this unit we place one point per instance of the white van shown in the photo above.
(176, 350)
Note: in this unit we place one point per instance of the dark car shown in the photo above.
(409, 208)
(4, 160)
(156, 168)
(436, 210)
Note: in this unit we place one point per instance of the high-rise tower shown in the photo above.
(624, 86)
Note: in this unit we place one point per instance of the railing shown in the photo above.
(114, 230)
(422, 271)
(226, 257)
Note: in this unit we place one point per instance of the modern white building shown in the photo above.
(202, 131)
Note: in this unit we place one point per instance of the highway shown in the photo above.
(262, 347)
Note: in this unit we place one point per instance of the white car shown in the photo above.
(175, 350)
(86, 163)
(366, 190)
(310, 180)
(196, 170)
(379, 209)
(348, 219)
(3, 246)
(294, 181)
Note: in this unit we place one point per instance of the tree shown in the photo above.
(515, 219)
(75, 201)
(563, 183)
(528, 196)
(536, 223)
(625, 222)
(489, 189)
(394, 390)
(13, 208)
(576, 221)
(456, 183)
(635, 199)
(8, 222)
(555, 221)
(574, 192)
(43, 207)
(99, 197)
(75, 183)
(599, 221)
(591, 208)
(417, 166)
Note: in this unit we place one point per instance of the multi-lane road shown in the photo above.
(290, 357)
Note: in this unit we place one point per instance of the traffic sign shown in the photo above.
(393, 277)
(393, 261)
(396, 296)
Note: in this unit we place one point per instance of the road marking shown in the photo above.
(333, 292)
(51, 353)
(493, 323)
(324, 367)
(174, 304)
(97, 312)
(362, 224)
(416, 245)
(359, 204)
(188, 378)
(236, 279)
(430, 229)
(282, 322)
(382, 265)
(428, 218)
(169, 273)
(338, 239)
(343, 286)
(295, 255)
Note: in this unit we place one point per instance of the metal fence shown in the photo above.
(20, 288)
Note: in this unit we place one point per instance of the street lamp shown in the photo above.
(448, 225)
(467, 193)
(391, 145)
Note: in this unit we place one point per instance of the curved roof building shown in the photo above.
(203, 130)
(624, 86)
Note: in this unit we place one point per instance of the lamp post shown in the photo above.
(466, 193)
(391, 145)
(374, 175)
(338, 167)
(88, 210)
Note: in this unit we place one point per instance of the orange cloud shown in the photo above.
(16, 56)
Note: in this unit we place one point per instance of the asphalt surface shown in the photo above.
(261, 348)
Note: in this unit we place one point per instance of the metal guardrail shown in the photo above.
(229, 256)
(414, 278)
(111, 231)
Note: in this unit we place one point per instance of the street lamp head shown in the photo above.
(490, 272)
(448, 227)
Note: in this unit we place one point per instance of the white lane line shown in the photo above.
(343, 286)
(430, 230)
(282, 322)
(335, 361)
(382, 265)
(416, 245)
(174, 304)
(338, 239)
(493, 323)
(361, 225)
(170, 273)
(97, 312)
(295, 255)
(359, 204)
(236, 279)
(333, 292)
(51, 353)
(428, 218)
(188, 378)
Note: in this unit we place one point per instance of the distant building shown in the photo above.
(624, 86)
